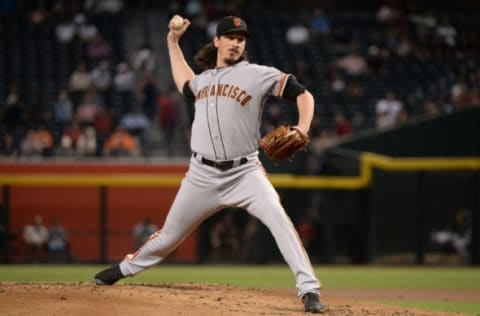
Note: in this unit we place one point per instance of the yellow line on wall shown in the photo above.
(368, 162)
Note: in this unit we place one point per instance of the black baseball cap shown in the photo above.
(230, 24)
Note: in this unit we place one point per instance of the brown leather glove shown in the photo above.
(283, 142)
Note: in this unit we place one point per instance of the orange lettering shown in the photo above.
(219, 89)
(234, 93)
(246, 100)
(230, 91)
(212, 91)
(240, 95)
(224, 92)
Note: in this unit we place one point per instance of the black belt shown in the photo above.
(222, 165)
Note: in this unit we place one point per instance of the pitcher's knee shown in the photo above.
(163, 243)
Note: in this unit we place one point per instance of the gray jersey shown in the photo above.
(228, 108)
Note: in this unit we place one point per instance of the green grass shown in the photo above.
(457, 307)
(400, 277)
(269, 276)
(278, 276)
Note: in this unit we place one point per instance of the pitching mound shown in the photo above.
(180, 299)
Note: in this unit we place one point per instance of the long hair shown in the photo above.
(206, 57)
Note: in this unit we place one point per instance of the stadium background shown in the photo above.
(387, 220)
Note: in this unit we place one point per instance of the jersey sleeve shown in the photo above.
(280, 85)
(193, 84)
(293, 89)
(273, 80)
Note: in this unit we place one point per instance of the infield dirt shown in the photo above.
(74, 299)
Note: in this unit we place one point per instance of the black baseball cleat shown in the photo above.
(312, 303)
(108, 276)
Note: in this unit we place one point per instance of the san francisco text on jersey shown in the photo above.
(224, 90)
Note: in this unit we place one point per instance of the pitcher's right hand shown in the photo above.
(176, 32)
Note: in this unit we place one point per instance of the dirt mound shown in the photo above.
(178, 299)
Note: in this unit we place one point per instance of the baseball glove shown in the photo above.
(283, 142)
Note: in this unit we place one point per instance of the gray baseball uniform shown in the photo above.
(225, 170)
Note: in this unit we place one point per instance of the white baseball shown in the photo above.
(177, 22)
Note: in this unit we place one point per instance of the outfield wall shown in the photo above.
(79, 208)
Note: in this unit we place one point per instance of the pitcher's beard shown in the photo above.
(231, 61)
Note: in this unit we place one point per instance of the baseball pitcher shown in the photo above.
(225, 170)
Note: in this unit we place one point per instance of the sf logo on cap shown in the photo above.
(237, 22)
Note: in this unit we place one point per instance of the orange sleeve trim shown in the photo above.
(283, 82)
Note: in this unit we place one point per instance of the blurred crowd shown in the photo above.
(379, 69)
(108, 102)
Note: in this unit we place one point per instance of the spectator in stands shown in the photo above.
(388, 111)
(79, 83)
(376, 60)
(86, 30)
(301, 72)
(353, 63)
(103, 122)
(447, 33)
(104, 6)
(39, 110)
(8, 148)
(308, 232)
(297, 34)
(193, 8)
(361, 116)
(355, 93)
(430, 108)
(387, 14)
(274, 117)
(80, 79)
(473, 96)
(37, 142)
(35, 237)
(58, 244)
(124, 80)
(404, 47)
(38, 16)
(143, 61)
(319, 22)
(70, 135)
(225, 239)
(403, 116)
(88, 109)
(68, 140)
(65, 30)
(98, 48)
(124, 83)
(424, 22)
(211, 29)
(87, 142)
(63, 109)
(458, 92)
(250, 252)
(101, 77)
(321, 139)
(148, 96)
(14, 115)
(121, 144)
(337, 83)
(342, 125)
(142, 231)
(136, 123)
(168, 116)
(457, 236)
